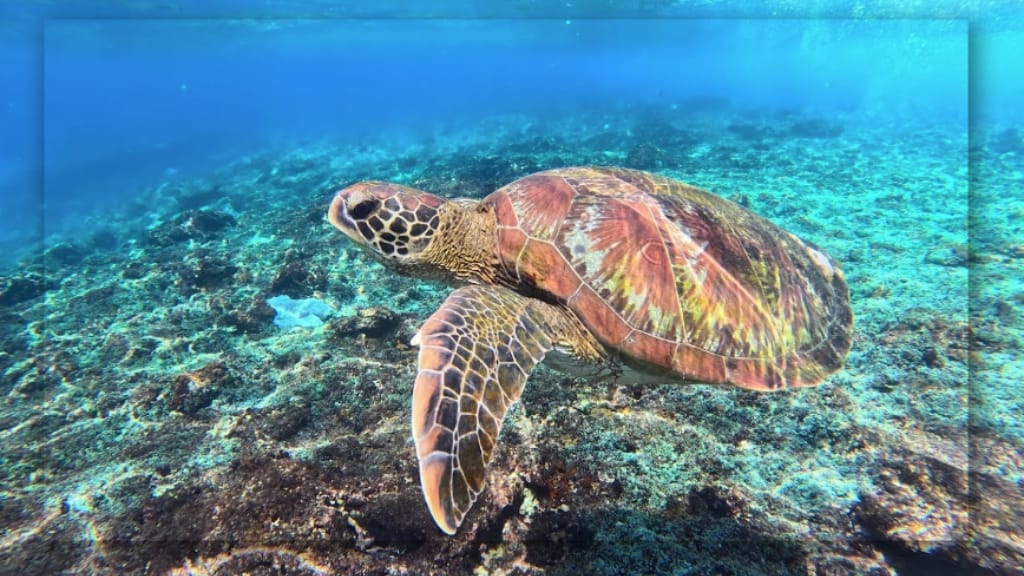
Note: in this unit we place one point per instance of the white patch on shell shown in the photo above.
(693, 259)
(581, 246)
(824, 264)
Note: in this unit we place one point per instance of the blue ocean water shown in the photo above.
(165, 174)
(126, 102)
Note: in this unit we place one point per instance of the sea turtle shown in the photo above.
(617, 269)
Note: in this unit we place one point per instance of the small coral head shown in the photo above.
(393, 222)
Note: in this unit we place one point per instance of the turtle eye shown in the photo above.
(363, 209)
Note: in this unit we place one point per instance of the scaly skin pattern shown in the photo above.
(476, 353)
(398, 225)
(677, 277)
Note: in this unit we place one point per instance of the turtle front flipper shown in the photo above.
(476, 353)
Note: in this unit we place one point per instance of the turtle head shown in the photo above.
(395, 223)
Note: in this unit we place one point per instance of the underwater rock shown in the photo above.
(297, 163)
(375, 322)
(285, 420)
(189, 396)
(746, 131)
(1005, 312)
(104, 300)
(134, 270)
(922, 336)
(45, 372)
(21, 288)
(64, 253)
(260, 562)
(250, 318)
(205, 222)
(103, 240)
(607, 140)
(1015, 251)
(166, 234)
(248, 519)
(711, 502)
(204, 272)
(996, 504)
(115, 348)
(406, 162)
(296, 171)
(644, 156)
(917, 511)
(306, 220)
(190, 225)
(388, 522)
(195, 199)
(655, 125)
(814, 128)
(193, 391)
(1008, 140)
(989, 337)
(484, 174)
(444, 185)
(956, 255)
(52, 550)
(13, 339)
(554, 534)
(918, 503)
(296, 279)
(535, 145)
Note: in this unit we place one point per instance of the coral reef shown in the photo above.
(21, 287)
(156, 421)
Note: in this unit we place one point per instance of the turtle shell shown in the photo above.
(674, 277)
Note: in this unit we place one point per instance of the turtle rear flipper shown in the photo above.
(476, 353)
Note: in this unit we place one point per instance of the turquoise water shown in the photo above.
(166, 171)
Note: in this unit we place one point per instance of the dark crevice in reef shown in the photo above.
(910, 562)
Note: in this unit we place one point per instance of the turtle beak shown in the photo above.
(336, 213)
(339, 213)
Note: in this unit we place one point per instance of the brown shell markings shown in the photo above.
(677, 277)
